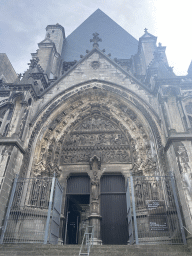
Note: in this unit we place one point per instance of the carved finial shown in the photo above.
(160, 44)
(19, 76)
(146, 30)
(95, 40)
(170, 69)
(34, 62)
(2, 84)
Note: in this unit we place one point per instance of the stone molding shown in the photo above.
(12, 142)
(177, 137)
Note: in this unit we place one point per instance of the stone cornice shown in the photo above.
(22, 88)
(177, 137)
(12, 142)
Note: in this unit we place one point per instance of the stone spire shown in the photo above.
(146, 48)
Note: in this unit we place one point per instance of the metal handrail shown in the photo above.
(88, 240)
(187, 230)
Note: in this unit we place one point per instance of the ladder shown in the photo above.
(87, 241)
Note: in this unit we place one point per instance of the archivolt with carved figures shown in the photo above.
(98, 132)
(95, 122)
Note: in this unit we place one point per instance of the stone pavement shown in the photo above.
(103, 250)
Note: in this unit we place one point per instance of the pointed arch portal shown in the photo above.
(96, 133)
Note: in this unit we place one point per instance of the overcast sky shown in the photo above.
(23, 23)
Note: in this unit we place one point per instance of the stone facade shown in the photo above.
(97, 115)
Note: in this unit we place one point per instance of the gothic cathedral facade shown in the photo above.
(96, 108)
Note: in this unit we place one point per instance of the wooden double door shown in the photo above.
(114, 228)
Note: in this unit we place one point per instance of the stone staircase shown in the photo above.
(103, 250)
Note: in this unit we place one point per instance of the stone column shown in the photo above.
(95, 218)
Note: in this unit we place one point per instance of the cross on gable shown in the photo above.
(95, 40)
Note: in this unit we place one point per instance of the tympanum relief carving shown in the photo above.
(99, 136)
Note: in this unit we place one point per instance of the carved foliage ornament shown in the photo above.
(95, 64)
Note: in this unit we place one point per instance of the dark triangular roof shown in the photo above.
(190, 70)
(115, 39)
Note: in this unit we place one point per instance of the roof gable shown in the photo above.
(115, 39)
(95, 65)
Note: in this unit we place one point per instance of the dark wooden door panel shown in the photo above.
(113, 210)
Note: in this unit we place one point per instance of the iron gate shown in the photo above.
(55, 221)
(129, 215)
(156, 213)
(31, 211)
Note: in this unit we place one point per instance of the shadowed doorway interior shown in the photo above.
(77, 209)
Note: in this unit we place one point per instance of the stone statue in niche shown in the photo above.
(183, 161)
(95, 189)
(40, 166)
(95, 165)
(187, 178)
(23, 122)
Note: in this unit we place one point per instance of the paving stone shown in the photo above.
(103, 250)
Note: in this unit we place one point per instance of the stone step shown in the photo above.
(141, 250)
(102, 250)
(38, 250)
